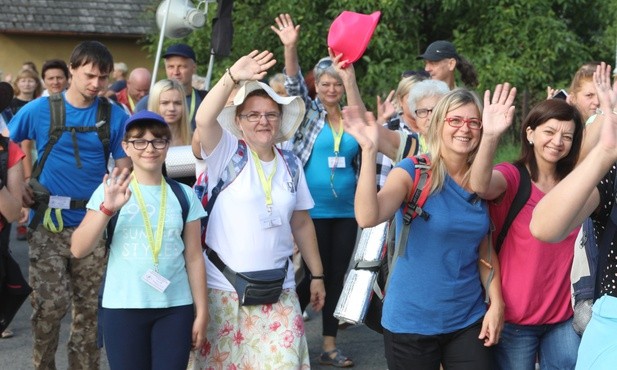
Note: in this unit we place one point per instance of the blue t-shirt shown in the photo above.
(61, 174)
(130, 255)
(435, 286)
(318, 175)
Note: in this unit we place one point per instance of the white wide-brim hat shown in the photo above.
(293, 111)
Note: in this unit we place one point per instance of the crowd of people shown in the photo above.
(169, 280)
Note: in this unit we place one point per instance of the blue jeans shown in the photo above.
(556, 346)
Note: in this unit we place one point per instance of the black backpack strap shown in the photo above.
(520, 198)
(103, 126)
(57, 114)
(181, 195)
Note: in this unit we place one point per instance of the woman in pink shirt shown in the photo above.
(535, 275)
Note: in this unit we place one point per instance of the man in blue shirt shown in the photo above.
(73, 169)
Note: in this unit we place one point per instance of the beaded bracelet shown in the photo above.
(232, 77)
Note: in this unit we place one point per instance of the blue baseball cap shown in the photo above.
(144, 116)
(182, 50)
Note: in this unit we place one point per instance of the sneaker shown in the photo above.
(22, 232)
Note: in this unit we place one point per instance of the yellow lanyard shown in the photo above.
(131, 103)
(337, 136)
(155, 244)
(266, 184)
(192, 110)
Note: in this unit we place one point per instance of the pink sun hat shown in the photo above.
(350, 34)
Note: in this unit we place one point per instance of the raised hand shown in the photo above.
(362, 126)
(286, 31)
(342, 66)
(607, 95)
(116, 189)
(498, 112)
(253, 66)
(385, 108)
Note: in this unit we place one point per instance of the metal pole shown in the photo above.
(160, 45)
(210, 66)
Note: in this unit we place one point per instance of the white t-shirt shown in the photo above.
(235, 229)
(130, 255)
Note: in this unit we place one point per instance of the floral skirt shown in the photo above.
(252, 337)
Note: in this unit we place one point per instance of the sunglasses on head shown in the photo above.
(324, 64)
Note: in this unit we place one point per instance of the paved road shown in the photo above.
(360, 343)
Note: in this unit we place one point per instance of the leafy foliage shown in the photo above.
(530, 43)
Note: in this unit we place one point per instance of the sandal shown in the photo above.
(7, 333)
(337, 361)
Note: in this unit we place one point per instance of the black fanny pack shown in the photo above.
(253, 287)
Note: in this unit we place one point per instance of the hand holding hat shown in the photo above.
(286, 31)
(253, 66)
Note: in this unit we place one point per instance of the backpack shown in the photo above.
(57, 127)
(232, 170)
(392, 249)
(520, 198)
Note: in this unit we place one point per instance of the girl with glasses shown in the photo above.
(154, 304)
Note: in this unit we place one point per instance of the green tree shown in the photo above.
(529, 43)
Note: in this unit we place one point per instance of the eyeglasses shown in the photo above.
(473, 124)
(423, 113)
(324, 64)
(141, 144)
(255, 117)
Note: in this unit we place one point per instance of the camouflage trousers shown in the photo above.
(58, 281)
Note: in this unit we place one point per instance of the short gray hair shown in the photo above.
(425, 89)
(320, 70)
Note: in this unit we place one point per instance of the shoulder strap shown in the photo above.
(178, 192)
(57, 126)
(520, 198)
(57, 115)
(417, 198)
(291, 164)
(233, 168)
(103, 126)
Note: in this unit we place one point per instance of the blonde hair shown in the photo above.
(155, 99)
(403, 88)
(452, 100)
(28, 73)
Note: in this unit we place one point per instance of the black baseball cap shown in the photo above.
(439, 50)
(6, 95)
(182, 50)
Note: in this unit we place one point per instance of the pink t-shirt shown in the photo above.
(535, 276)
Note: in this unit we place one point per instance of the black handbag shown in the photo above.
(253, 287)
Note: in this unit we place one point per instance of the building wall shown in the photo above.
(16, 49)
